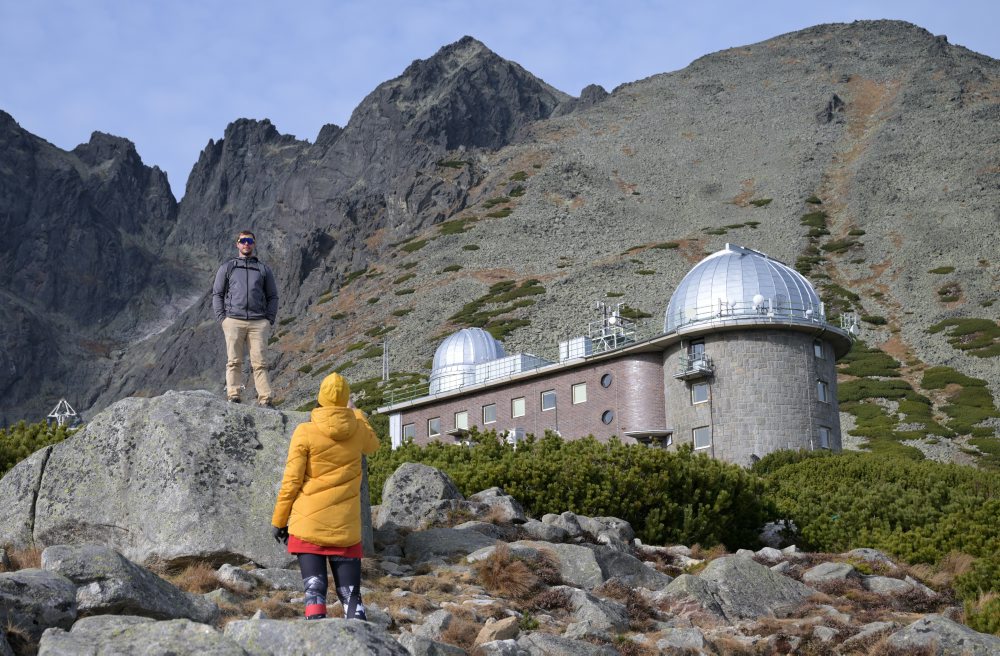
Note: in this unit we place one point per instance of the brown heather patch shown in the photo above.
(30, 558)
(698, 551)
(461, 632)
(743, 198)
(274, 607)
(550, 599)
(394, 605)
(628, 647)
(504, 575)
(198, 578)
(19, 639)
(639, 611)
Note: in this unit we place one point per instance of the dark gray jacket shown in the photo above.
(245, 289)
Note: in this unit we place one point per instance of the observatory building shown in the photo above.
(745, 366)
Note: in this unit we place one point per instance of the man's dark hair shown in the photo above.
(248, 233)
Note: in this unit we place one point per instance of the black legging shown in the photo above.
(346, 577)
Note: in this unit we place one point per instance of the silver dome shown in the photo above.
(739, 283)
(456, 358)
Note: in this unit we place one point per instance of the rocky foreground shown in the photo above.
(499, 584)
(147, 533)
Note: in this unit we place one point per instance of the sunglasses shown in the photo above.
(246, 240)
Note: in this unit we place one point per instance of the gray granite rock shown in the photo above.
(593, 617)
(578, 565)
(279, 579)
(35, 599)
(866, 632)
(628, 569)
(545, 644)
(537, 530)
(506, 507)
(502, 648)
(680, 639)
(443, 543)
(885, 585)
(829, 571)
(433, 625)
(567, 521)
(412, 495)
(236, 578)
(107, 583)
(222, 596)
(136, 636)
(945, 637)
(308, 637)
(420, 645)
(734, 588)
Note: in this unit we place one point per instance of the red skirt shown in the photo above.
(299, 546)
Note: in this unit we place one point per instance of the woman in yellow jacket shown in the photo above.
(318, 512)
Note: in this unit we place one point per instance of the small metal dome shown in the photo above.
(740, 283)
(456, 358)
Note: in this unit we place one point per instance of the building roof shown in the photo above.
(736, 282)
(457, 356)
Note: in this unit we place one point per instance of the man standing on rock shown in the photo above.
(245, 300)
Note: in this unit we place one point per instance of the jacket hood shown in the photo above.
(334, 391)
(336, 422)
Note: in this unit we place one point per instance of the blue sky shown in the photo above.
(171, 75)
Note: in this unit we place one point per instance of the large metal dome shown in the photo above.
(739, 283)
(456, 358)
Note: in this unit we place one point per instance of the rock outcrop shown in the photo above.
(173, 478)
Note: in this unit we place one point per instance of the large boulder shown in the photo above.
(628, 569)
(136, 636)
(177, 477)
(34, 600)
(412, 497)
(734, 588)
(108, 583)
(443, 543)
(307, 637)
(939, 635)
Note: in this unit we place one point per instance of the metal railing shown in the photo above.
(694, 365)
(759, 308)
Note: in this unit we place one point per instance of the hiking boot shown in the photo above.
(235, 399)
(266, 403)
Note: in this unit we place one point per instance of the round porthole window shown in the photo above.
(608, 416)
(606, 381)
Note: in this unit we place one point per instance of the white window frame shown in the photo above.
(408, 428)
(695, 386)
(582, 389)
(694, 437)
(464, 416)
(514, 409)
(429, 433)
(823, 391)
(490, 421)
(554, 400)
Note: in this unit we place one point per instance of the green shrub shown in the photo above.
(645, 272)
(372, 352)
(516, 192)
(451, 268)
(873, 319)
(338, 316)
(470, 247)
(983, 615)
(871, 388)
(520, 176)
(814, 219)
(404, 292)
(453, 163)
(863, 361)
(838, 246)
(978, 337)
(306, 368)
(982, 577)
(667, 245)
(286, 321)
(378, 331)
(322, 370)
(633, 313)
(615, 294)
(344, 366)
(407, 265)
(840, 503)
(761, 202)
(354, 275)
(501, 213)
(942, 270)
(670, 497)
(273, 339)
(856, 232)
(497, 200)
(307, 406)
(403, 278)
(414, 246)
(373, 300)
(402, 313)
(22, 439)
(455, 226)
(714, 231)
(814, 200)
(356, 346)
(324, 298)
(941, 377)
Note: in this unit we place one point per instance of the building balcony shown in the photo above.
(694, 366)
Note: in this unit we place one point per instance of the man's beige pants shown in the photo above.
(238, 332)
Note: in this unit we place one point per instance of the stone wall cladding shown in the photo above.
(635, 396)
(763, 394)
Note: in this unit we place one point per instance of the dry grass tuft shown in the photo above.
(639, 611)
(546, 567)
(461, 632)
(699, 552)
(20, 641)
(198, 578)
(29, 558)
(550, 600)
(504, 575)
(953, 565)
(274, 607)
(628, 647)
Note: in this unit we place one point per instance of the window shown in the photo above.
(579, 393)
(433, 426)
(818, 349)
(409, 431)
(702, 437)
(606, 380)
(699, 393)
(824, 437)
(490, 413)
(823, 390)
(608, 416)
(462, 420)
(549, 400)
(517, 407)
(696, 350)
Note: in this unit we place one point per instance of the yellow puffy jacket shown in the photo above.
(320, 496)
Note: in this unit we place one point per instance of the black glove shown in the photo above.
(280, 534)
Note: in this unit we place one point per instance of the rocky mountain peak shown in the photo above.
(103, 147)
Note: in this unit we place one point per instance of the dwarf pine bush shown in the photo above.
(22, 439)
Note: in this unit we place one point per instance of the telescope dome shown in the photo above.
(455, 360)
